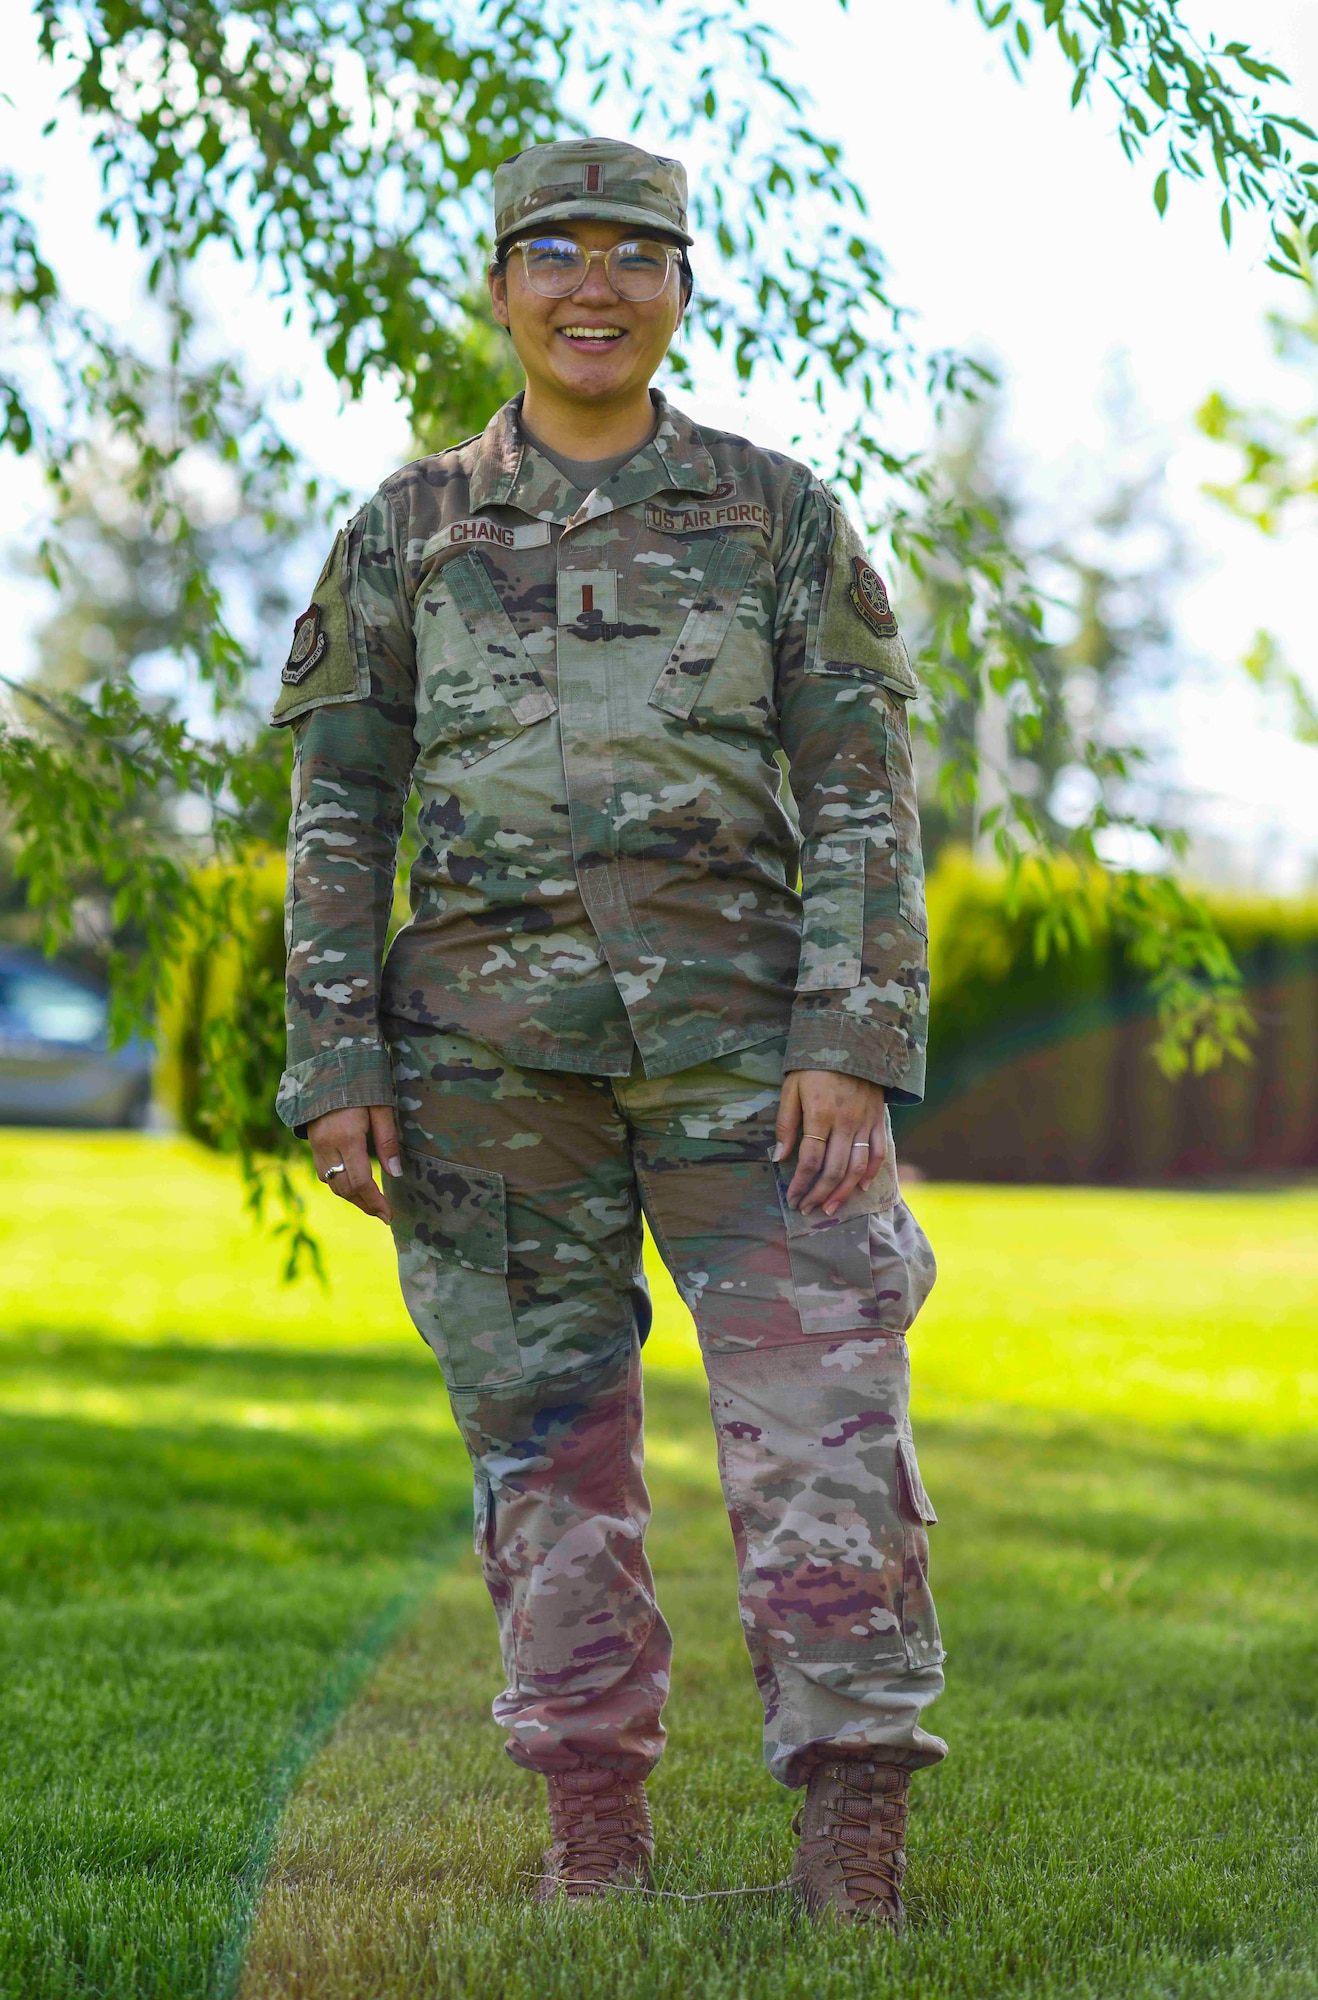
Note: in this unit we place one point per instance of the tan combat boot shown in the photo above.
(602, 1835)
(852, 1854)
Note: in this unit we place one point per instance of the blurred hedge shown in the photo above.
(221, 1025)
(1043, 1071)
(1038, 1070)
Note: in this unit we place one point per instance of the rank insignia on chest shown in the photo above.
(308, 646)
(871, 599)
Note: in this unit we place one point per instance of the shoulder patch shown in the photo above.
(856, 633)
(871, 599)
(325, 661)
(309, 643)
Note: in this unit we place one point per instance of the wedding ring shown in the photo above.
(818, 1138)
(330, 1172)
(860, 1145)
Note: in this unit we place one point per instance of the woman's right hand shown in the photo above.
(346, 1139)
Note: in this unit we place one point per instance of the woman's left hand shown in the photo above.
(839, 1121)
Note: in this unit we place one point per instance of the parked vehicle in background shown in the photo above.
(56, 1065)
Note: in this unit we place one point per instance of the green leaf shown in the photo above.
(1160, 192)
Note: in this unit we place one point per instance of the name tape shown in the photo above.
(689, 520)
(475, 530)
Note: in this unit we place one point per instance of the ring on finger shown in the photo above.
(818, 1138)
(860, 1145)
(330, 1172)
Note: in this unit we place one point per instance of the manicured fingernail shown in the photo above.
(394, 1167)
(779, 1152)
(830, 1208)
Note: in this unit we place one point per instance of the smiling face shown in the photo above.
(593, 354)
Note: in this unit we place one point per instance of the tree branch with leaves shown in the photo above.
(337, 159)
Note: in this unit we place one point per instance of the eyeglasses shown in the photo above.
(556, 267)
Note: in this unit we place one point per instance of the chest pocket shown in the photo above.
(684, 673)
(477, 684)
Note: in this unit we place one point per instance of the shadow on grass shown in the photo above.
(91, 1359)
(1126, 1811)
(1130, 1618)
(187, 1605)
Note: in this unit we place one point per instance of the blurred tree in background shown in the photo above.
(1103, 571)
(336, 154)
(1276, 480)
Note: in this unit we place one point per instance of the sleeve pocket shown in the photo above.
(905, 819)
(327, 663)
(451, 1231)
(833, 915)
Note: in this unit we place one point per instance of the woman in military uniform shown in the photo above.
(642, 976)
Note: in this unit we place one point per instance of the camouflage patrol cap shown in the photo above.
(589, 180)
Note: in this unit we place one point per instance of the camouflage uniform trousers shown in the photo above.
(518, 1225)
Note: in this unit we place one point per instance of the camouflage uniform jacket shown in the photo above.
(596, 702)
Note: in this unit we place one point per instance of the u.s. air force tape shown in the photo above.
(690, 520)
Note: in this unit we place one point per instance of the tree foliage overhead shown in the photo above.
(336, 155)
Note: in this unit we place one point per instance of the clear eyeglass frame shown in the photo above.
(556, 267)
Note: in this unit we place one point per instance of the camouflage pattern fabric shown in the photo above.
(579, 180)
(596, 701)
(518, 1225)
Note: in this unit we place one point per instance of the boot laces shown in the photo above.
(596, 1833)
(864, 1831)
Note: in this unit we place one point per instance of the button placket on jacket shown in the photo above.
(593, 707)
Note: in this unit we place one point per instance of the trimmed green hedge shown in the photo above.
(1038, 1070)
(1044, 1070)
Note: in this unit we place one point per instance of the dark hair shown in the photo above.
(499, 260)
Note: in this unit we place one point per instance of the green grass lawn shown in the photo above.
(231, 1514)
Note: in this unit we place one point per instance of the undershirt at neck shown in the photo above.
(585, 473)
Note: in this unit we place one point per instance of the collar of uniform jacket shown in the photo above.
(509, 472)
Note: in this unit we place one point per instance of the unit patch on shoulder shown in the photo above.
(308, 646)
(871, 599)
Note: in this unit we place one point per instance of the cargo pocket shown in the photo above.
(832, 1274)
(919, 1620)
(833, 912)
(685, 671)
(477, 686)
(451, 1230)
(902, 1267)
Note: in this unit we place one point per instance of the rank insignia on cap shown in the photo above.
(308, 646)
(871, 599)
(592, 178)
